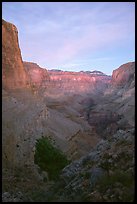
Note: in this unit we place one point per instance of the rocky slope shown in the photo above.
(106, 174)
(115, 109)
(67, 95)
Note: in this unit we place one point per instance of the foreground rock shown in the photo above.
(106, 174)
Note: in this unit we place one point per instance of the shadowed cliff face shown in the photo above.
(13, 73)
(116, 107)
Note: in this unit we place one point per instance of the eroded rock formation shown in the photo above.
(20, 107)
(115, 109)
(78, 82)
(14, 75)
(124, 74)
(38, 77)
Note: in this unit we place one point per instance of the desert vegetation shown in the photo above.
(49, 158)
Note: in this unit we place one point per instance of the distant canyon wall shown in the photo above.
(78, 82)
(38, 76)
(57, 81)
(16, 73)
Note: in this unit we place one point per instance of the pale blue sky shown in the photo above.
(74, 36)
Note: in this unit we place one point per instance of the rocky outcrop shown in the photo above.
(14, 75)
(7, 197)
(106, 174)
(20, 107)
(124, 74)
(38, 76)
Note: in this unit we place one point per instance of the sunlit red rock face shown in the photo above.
(13, 73)
(38, 76)
(57, 81)
(123, 74)
(78, 82)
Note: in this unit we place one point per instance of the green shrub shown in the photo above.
(49, 158)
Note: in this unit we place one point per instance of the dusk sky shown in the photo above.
(74, 36)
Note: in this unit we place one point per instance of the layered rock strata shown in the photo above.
(14, 75)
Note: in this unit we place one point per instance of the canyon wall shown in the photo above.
(74, 108)
(14, 75)
(124, 74)
(39, 77)
(116, 108)
(78, 82)
(22, 110)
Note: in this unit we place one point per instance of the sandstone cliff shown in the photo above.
(38, 76)
(14, 75)
(124, 74)
(77, 82)
(19, 104)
